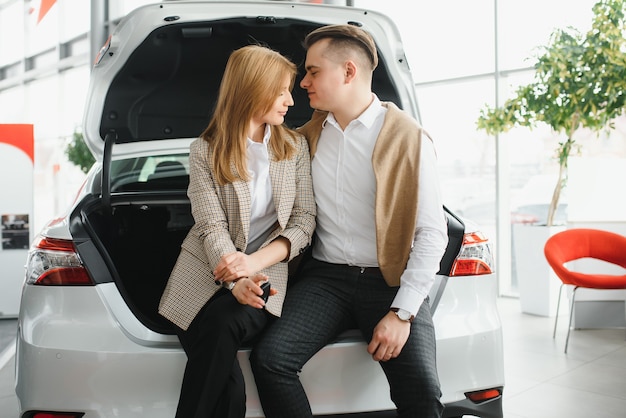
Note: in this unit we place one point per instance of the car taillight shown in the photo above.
(484, 395)
(55, 262)
(475, 257)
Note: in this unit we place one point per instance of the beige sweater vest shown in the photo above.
(395, 161)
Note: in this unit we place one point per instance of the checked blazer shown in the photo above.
(222, 224)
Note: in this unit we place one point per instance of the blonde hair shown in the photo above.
(250, 85)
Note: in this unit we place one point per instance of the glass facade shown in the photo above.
(464, 55)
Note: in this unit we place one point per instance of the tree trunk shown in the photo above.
(556, 195)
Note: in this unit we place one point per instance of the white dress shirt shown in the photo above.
(262, 210)
(345, 190)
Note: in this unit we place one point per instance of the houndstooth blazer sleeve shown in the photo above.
(221, 213)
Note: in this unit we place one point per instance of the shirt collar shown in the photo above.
(366, 118)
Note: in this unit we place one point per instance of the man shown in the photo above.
(380, 235)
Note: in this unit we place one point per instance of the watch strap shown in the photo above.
(229, 285)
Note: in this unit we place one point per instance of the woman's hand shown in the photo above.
(234, 266)
(248, 291)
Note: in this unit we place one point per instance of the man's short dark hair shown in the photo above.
(349, 35)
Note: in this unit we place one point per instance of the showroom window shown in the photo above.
(451, 48)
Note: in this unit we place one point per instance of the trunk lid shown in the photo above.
(158, 74)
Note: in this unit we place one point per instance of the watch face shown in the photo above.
(404, 315)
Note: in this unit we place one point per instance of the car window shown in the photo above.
(158, 172)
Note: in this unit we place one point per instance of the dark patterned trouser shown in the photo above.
(326, 300)
(213, 384)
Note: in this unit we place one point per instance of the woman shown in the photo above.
(252, 202)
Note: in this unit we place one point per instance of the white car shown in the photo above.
(90, 340)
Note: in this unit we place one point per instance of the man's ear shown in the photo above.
(350, 70)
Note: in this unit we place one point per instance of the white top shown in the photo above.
(262, 210)
(345, 190)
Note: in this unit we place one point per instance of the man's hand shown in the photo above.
(389, 337)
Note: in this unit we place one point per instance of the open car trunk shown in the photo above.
(138, 239)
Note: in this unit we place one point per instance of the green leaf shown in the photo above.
(78, 153)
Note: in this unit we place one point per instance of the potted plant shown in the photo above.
(78, 153)
(579, 82)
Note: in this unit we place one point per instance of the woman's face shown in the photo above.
(276, 114)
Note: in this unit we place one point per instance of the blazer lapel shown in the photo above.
(242, 195)
(283, 198)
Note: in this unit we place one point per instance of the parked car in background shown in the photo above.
(537, 214)
(90, 340)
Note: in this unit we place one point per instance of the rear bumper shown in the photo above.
(99, 384)
(73, 354)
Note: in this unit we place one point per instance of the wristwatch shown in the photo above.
(403, 314)
(229, 285)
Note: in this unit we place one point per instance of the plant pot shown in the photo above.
(538, 285)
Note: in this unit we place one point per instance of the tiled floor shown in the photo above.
(8, 401)
(541, 381)
(544, 382)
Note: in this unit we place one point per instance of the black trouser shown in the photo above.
(213, 384)
(326, 300)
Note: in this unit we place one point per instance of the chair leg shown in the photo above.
(571, 316)
(558, 305)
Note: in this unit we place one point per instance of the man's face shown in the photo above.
(324, 79)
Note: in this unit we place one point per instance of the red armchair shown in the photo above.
(577, 243)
